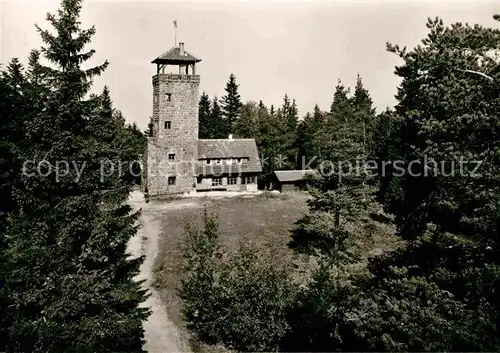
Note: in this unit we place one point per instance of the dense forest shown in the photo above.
(283, 139)
(66, 280)
(431, 164)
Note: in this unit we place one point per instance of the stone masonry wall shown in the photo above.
(182, 137)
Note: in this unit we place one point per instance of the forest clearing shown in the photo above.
(265, 221)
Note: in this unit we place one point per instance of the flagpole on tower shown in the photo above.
(175, 33)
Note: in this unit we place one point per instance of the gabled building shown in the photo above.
(176, 160)
(228, 164)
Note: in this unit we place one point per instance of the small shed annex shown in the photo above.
(290, 180)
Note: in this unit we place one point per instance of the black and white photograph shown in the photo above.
(249, 176)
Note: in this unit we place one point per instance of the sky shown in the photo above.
(273, 48)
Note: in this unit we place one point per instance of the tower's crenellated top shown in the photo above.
(176, 56)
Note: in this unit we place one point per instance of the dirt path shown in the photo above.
(160, 333)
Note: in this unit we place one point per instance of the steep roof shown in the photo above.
(293, 175)
(228, 148)
(173, 56)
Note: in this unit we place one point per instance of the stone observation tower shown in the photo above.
(172, 153)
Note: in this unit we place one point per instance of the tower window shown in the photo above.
(171, 180)
(171, 156)
(168, 124)
(168, 96)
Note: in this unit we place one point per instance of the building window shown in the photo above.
(171, 156)
(249, 180)
(208, 161)
(232, 181)
(216, 181)
(168, 96)
(168, 124)
(171, 180)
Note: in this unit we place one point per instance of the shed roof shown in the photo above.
(293, 175)
(174, 57)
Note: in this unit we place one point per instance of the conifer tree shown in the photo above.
(217, 124)
(204, 116)
(285, 144)
(14, 107)
(308, 140)
(448, 271)
(230, 105)
(340, 107)
(364, 114)
(341, 195)
(246, 125)
(149, 132)
(387, 143)
(68, 276)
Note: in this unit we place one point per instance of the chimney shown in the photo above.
(181, 48)
(230, 137)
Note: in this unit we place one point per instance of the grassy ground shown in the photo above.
(265, 220)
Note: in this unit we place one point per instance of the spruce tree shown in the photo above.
(14, 107)
(204, 116)
(342, 195)
(308, 144)
(67, 272)
(266, 134)
(340, 106)
(217, 124)
(285, 141)
(364, 114)
(149, 132)
(230, 105)
(246, 125)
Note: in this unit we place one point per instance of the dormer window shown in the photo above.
(168, 124)
(171, 156)
(168, 96)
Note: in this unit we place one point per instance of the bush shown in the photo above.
(254, 295)
(202, 257)
(273, 195)
(319, 314)
(242, 301)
